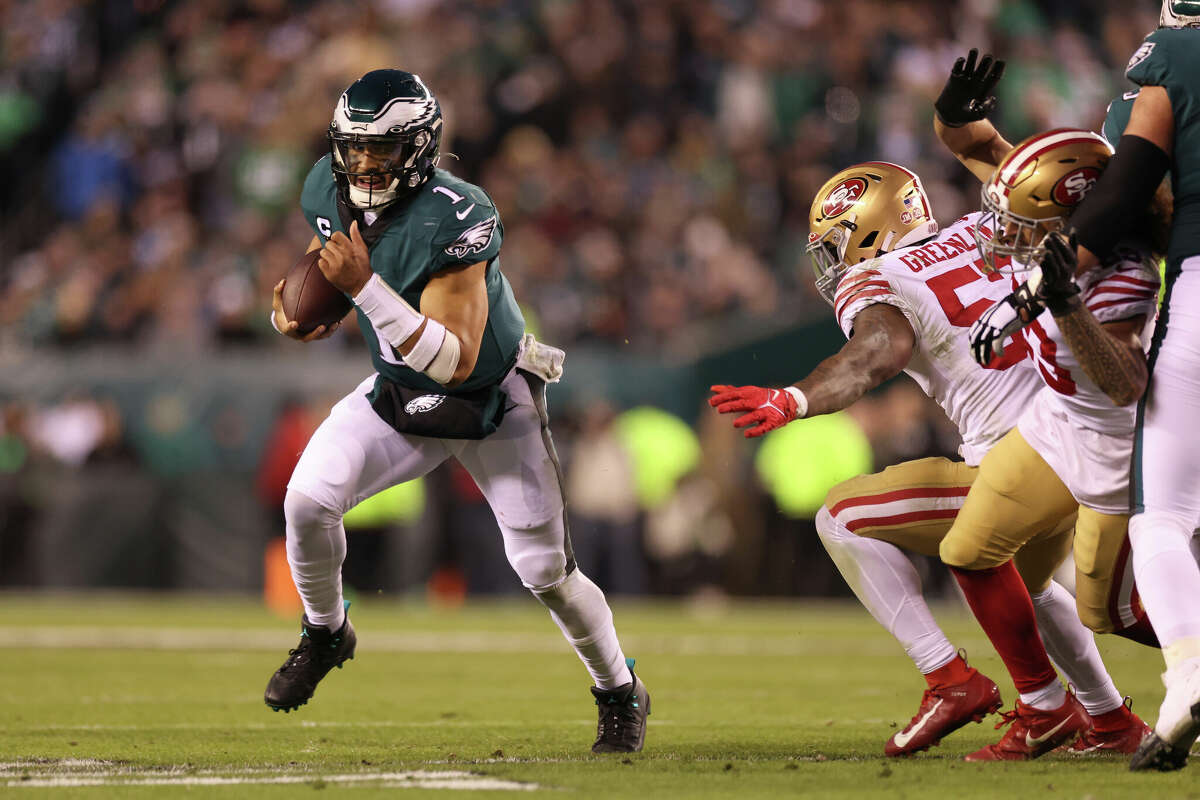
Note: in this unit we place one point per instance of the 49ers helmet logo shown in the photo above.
(1074, 186)
(843, 197)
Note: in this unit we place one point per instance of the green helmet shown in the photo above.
(384, 138)
(1179, 14)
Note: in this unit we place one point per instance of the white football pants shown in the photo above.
(1166, 468)
(355, 454)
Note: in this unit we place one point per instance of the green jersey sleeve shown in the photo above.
(1169, 58)
(469, 232)
(318, 200)
(1117, 116)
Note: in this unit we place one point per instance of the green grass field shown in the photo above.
(151, 696)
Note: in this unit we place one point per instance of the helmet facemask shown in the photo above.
(1179, 14)
(1009, 242)
(376, 170)
(828, 254)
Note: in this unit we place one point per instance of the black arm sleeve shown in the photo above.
(1119, 199)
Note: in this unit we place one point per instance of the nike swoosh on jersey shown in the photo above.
(904, 737)
(463, 214)
(1034, 741)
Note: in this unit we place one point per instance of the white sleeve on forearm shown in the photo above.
(388, 311)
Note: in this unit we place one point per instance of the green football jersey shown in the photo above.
(1170, 57)
(447, 222)
(1116, 117)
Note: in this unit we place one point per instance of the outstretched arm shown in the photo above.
(960, 114)
(978, 145)
(882, 345)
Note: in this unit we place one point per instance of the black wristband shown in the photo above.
(1119, 199)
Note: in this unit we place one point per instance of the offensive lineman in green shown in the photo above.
(455, 375)
(1163, 133)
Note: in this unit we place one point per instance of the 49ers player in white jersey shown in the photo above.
(905, 295)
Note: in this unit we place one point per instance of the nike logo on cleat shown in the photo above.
(904, 737)
(1033, 741)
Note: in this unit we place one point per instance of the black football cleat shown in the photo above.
(1155, 753)
(623, 712)
(319, 651)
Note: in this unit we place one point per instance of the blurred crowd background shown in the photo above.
(653, 163)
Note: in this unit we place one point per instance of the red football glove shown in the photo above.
(769, 408)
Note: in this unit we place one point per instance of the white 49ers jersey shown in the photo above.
(941, 290)
(1126, 288)
(1072, 424)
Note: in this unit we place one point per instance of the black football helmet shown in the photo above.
(384, 138)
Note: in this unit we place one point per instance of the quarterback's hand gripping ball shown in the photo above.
(967, 96)
(345, 262)
(304, 306)
(767, 409)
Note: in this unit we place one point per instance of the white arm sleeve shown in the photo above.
(388, 311)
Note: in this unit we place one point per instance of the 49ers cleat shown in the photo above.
(944, 710)
(1034, 732)
(1123, 741)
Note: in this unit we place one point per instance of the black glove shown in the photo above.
(1058, 289)
(967, 96)
(1002, 320)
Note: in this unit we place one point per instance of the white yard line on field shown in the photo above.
(417, 779)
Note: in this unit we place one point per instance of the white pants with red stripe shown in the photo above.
(869, 519)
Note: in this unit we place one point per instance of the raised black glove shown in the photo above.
(1058, 289)
(967, 95)
(1002, 320)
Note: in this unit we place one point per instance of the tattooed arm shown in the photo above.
(882, 345)
(1110, 353)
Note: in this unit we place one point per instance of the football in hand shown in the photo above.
(309, 299)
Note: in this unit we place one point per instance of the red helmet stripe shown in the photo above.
(1019, 160)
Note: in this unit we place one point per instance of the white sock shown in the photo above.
(1072, 648)
(887, 584)
(316, 547)
(579, 608)
(1168, 578)
(1047, 698)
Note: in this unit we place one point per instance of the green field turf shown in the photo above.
(151, 696)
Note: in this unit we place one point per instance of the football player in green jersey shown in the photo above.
(418, 250)
(1163, 133)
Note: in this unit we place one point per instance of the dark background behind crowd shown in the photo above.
(653, 163)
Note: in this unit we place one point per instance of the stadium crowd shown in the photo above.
(653, 164)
